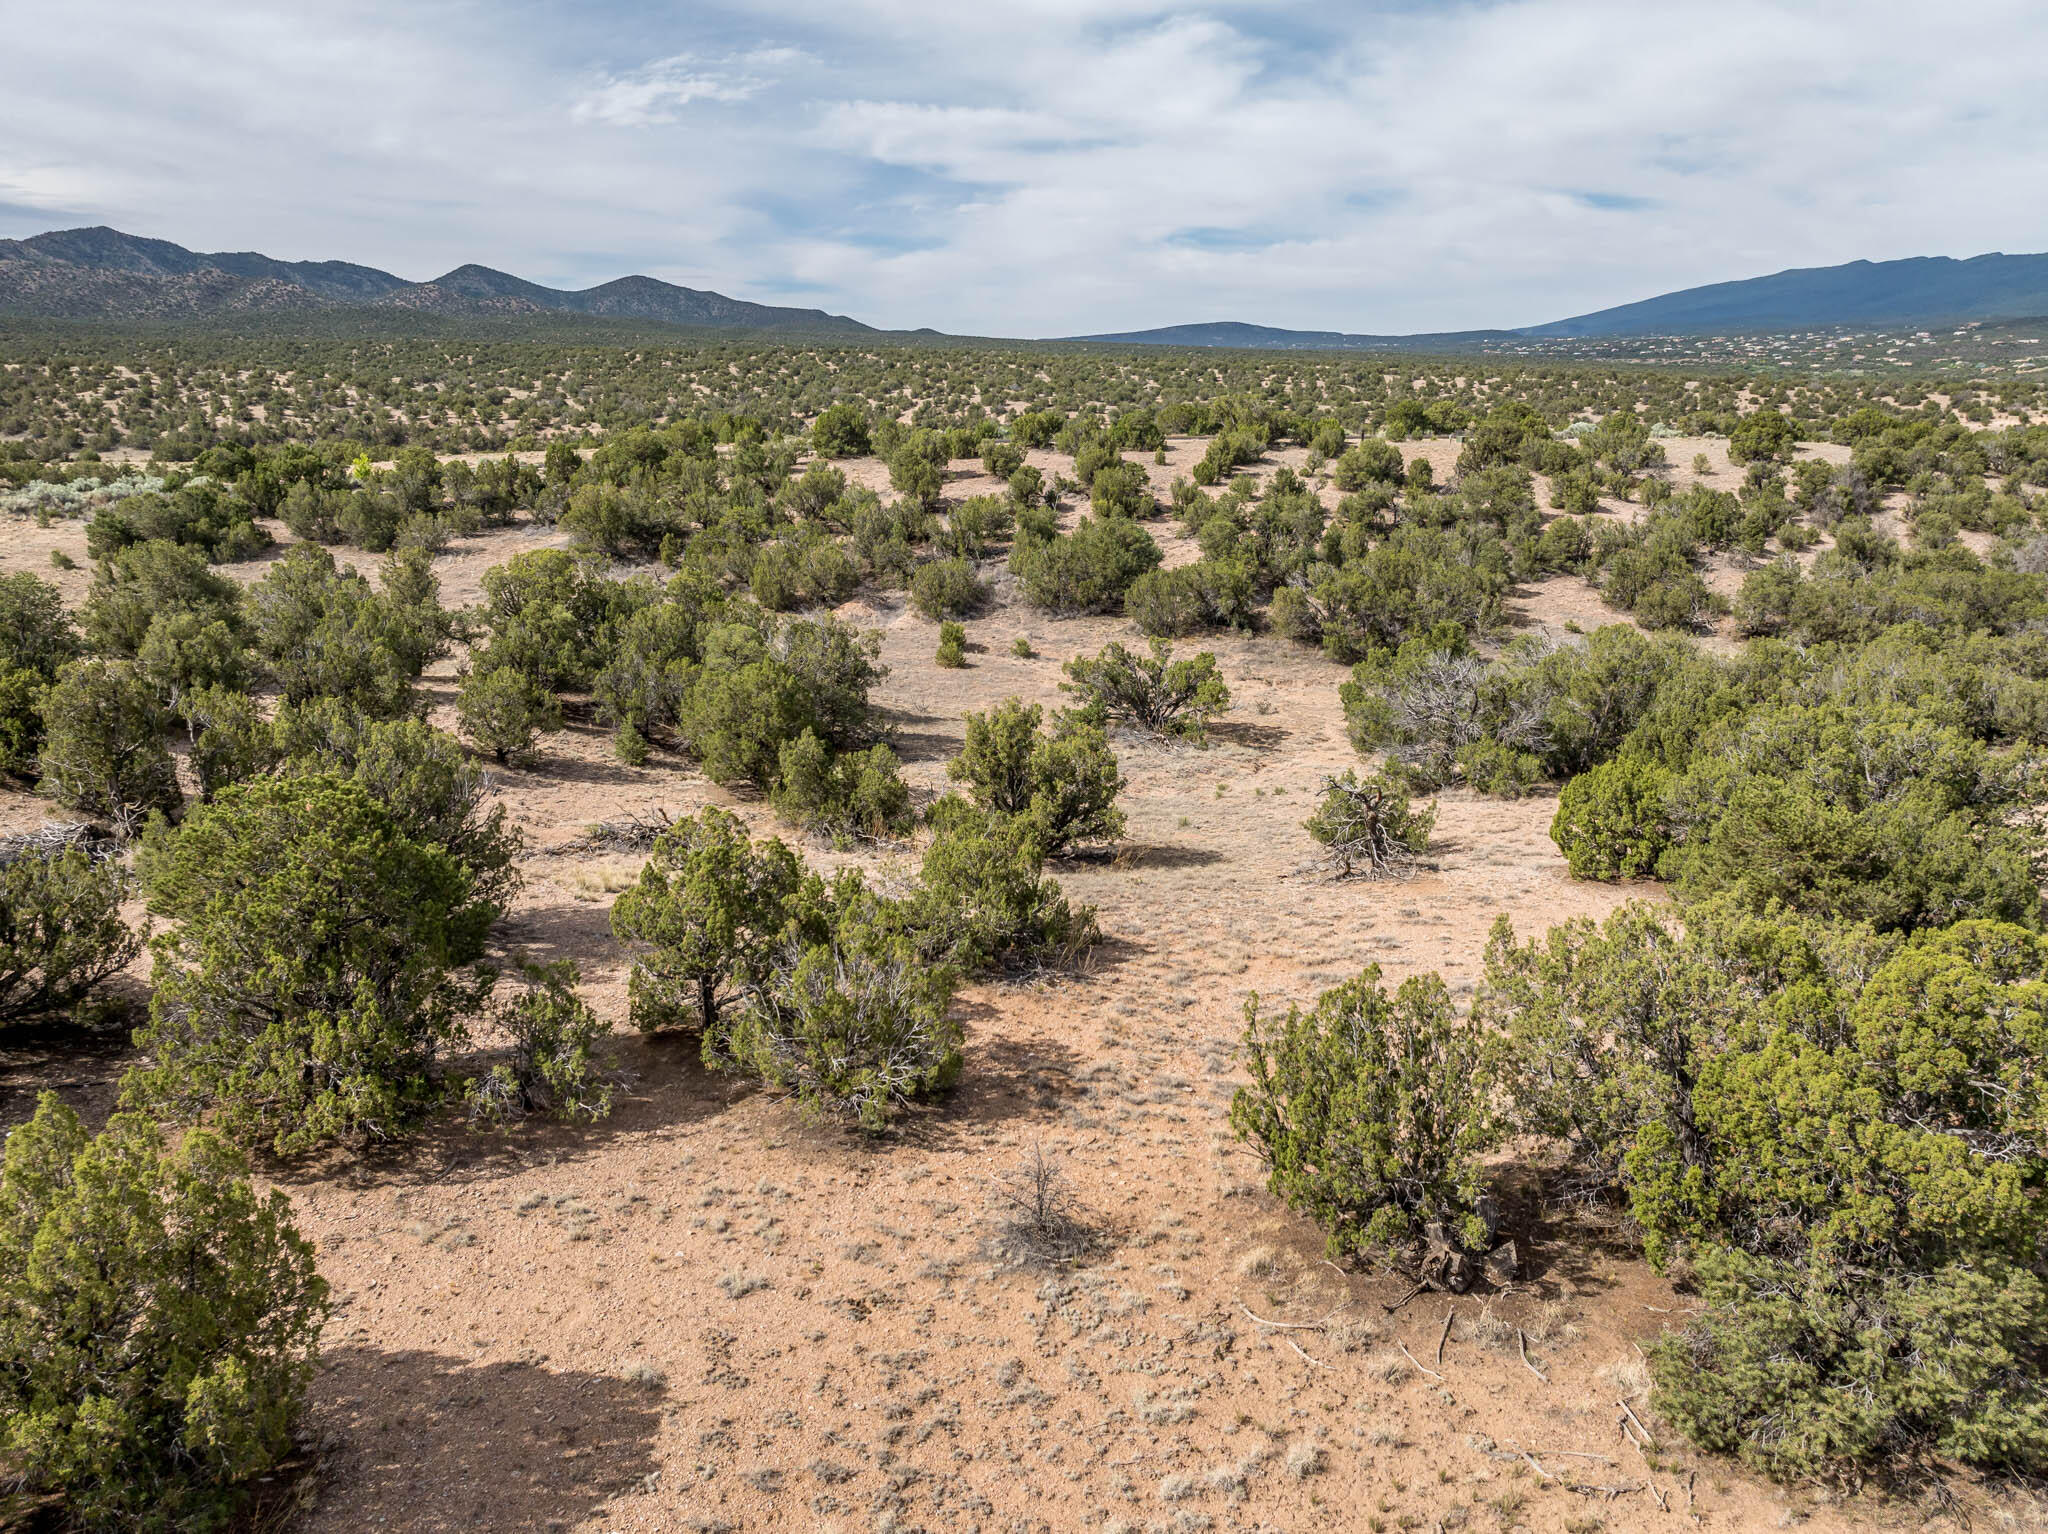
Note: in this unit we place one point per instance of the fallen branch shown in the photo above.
(1297, 1348)
(1522, 1338)
(1445, 1335)
(1537, 1467)
(1390, 1309)
(1648, 1437)
(635, 832)
(1591, 1489)
(1425, 1368)
(1285, 1326)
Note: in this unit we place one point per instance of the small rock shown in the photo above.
(1489, 1214)
(1504, 1264)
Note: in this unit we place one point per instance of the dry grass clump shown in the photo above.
(1352, 1335)
(1389, 1367)
(1490, 1331)
(1551, 1324)
(1259, 1262)
(1168, 1410)
(1629, 1376)
(1042, 1223)
(1304, 1460)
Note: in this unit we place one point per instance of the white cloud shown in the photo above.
(1057, 166)
(657, 92)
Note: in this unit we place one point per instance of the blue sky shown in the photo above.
(1048, 168)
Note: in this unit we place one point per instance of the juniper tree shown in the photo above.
(159, 1321)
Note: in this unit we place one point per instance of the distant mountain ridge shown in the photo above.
(1920, 290)
(104, 274)
(101, 273)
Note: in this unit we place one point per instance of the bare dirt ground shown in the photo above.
(706, 1314)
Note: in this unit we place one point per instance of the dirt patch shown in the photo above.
(706, 1314)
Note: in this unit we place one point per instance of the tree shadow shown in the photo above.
(1248, 736)
(1105, 957)
(1139, 855)
(560, 768)
(1558, 1242)
(1005, 1079)
(431, 1442)
(82, 1065)
(663, 1083)
(578, 930)
(923, 745)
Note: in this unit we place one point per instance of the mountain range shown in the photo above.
(103, 274)
(1876, 295)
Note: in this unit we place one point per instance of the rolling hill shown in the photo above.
(1923, 290)
(103, 274)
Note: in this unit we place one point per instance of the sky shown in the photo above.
(1047, 168)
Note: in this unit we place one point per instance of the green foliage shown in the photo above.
(35, 632)
(947, 588)
(142, 582)
(307, 987)
(844, 795)
(1121, 490)
(1865, 585)
(1086, 571)
(1062, 785)
(1610, 1028)
(21, 721)
(180, 654)
(1802, 1372)
(977, 524)
(1001, 459)
(1765, 436)
(808, 571)
(709, 909)
(1875, 812)
(755, 691)
(1417, 579)
(982, 904)
(918, 476)
(103, 748)
(552, 1068)
(36, 639)
(1210, 593)
(425, 779)
(504, 711)
(952, 652)
(1371, 1112)
(61, 932)
(1612, 821)
(200, 514)
(1843, 1131)
(324, 632)
(158, 1322)
(1371, 461)
(545, 609)
(231, 739)
(648, 667)
(859, 1026)
(1170, 698)
(841, 431)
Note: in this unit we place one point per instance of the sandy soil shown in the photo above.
(706, 1314)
